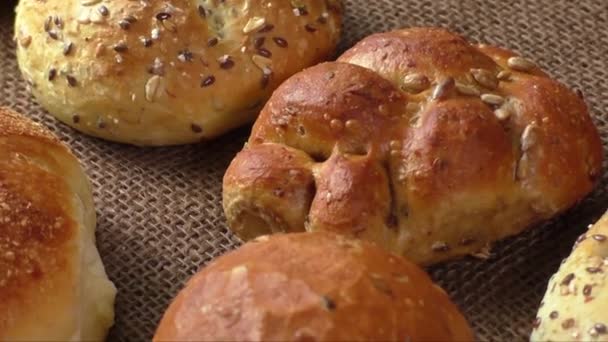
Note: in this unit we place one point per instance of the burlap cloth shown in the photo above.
(159, 210)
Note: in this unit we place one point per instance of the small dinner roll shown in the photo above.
(312, 287)
(53, 286)
(575, 307)
(167, 72)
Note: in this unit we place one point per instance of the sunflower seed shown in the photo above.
(529, 137)
(520, 64)
(261, 62)
(492, 99)
(485, 78)
(504, 75)
(443, 89)
(254, 24)
(153, 87)
(415, 83)
(503, 113)
(466, 89)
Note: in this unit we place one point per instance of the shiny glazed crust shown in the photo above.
(575, 307)
(52, 283)
(311, 287)
(167, 72)
(417, 140)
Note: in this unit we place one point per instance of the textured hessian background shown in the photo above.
(159, 210)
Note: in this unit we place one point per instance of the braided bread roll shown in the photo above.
(419, 141)
(53, 286)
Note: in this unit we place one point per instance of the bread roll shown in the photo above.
(167, 72)
(53, 286)
(311, 287)
(428, 145)
(575, 307)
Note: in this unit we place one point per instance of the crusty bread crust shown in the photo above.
(167, 72)
(52, 283)
(420, 141)
(575, 307)
(312, 287)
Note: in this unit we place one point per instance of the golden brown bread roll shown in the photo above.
(575, 307)
(53, 286)
(434, 150)
(167, 72)
(312, 287)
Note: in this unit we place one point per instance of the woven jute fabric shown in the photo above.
(159, 209)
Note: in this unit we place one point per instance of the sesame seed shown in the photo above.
(201, 11)
(310, 28)
(587, 290)
(600, 328)
(599, 237)
(594, 270)
(185, 55)
(280, 42)
(120, 47)
(225, 62)
(147, 42)
(196, 128)
(71, 81)
(47, 24)
(103, 10)
(567, 324)
(52, 74)
(58, 22)
(328, 303)
(300, 11)
(131, 19)
(125, 25)
(440, 247)
(259, 42)
(581, 238)
(162, 16)
(568, 279)
(212, 42)
(266, 28)
(554, 315)
(53, 35)
(207, 81)
(264, 52)
(536, 322)
(67, 48)
(76, 118)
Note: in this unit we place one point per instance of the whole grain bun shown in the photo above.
(575, 307)
(312, 287)
(167, 72)
(416, 139)
(53, 286)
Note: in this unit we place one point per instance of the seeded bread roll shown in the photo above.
(428, 145)
(53, 286)
(575, 307)
(167, 72)
(312, 287)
